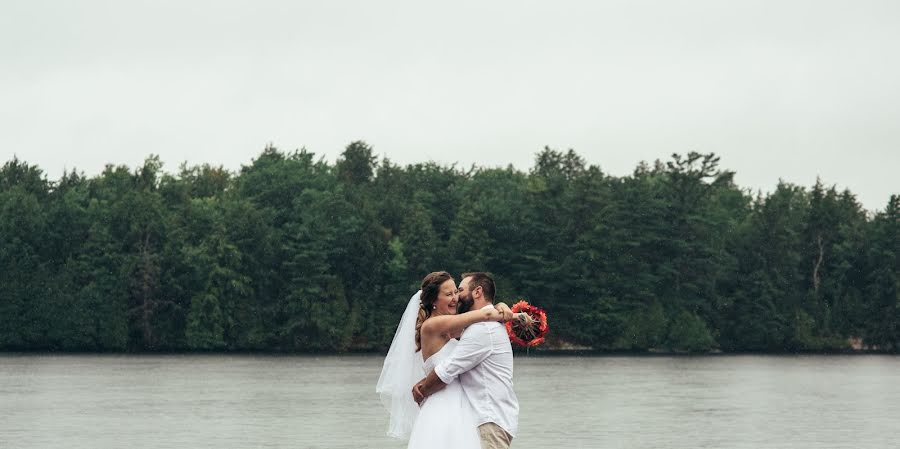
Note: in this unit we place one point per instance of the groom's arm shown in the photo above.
(428, 386)
(474, 346)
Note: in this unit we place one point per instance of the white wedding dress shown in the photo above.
(446, 419)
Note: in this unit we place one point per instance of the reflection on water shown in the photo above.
(218, 401)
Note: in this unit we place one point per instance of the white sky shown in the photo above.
(778, 89)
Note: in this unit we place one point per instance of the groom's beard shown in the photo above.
(464, 306)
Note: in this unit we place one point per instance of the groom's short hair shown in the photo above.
(483, 280)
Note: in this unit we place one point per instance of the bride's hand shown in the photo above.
(525, 318)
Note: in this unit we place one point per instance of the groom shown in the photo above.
(483, 362)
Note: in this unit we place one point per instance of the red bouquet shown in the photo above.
(531, 332)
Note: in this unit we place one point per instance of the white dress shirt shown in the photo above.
(483, 361)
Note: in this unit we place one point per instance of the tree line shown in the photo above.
(293, 253)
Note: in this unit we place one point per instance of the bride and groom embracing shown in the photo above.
(445, 393)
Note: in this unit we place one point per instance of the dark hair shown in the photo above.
(431, 287)
(483, 280)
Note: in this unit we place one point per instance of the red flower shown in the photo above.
(527, 335)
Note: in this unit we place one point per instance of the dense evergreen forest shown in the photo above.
(293, 253)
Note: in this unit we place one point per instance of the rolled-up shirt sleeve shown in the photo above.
(474, 346)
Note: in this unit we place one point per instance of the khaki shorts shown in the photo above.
(493, 436)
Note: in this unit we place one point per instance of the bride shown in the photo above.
(426, 335)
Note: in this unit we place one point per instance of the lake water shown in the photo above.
(250, 401)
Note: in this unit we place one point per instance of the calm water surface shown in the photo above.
(191, 401)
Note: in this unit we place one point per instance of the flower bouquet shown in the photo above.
(530, 331)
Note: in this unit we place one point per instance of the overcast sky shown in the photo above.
(779, 89)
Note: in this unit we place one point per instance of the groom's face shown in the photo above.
(465, 297)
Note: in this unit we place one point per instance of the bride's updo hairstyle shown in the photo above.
(431, 287)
